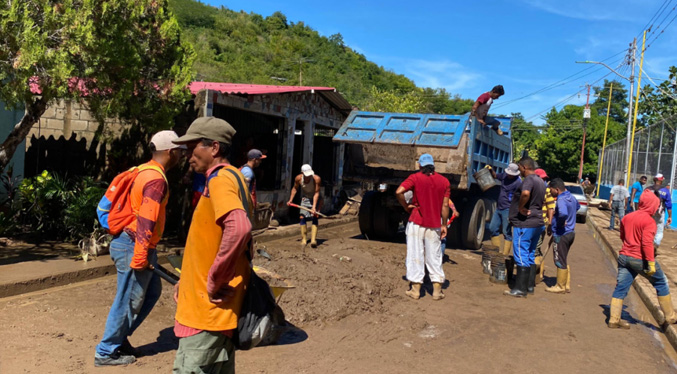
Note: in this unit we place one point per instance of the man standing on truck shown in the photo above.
(480, 109)
(429, 207)
(510, 182)
(526, 216)
(309, 184)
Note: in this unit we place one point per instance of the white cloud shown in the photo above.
(450, 75)
(607, 10)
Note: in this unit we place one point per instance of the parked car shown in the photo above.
(577, 191)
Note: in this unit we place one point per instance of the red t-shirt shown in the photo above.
(429, 193)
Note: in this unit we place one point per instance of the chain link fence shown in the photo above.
(653, 152)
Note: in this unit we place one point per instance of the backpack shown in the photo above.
(115, 209)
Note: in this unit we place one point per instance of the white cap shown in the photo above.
(163, 140)
(307, 170)
(659, 177)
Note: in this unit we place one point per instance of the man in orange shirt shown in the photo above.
(138, 289)
(215, 265)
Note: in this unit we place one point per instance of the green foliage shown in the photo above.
(122, 58)
(524, 136)
(658, 105)
(56, 207)
(389, 101)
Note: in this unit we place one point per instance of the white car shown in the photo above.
(577, 191)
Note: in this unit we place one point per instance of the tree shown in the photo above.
(391, 101)
(660, 104)
(121, 58)
(619, 101)
(524, 136)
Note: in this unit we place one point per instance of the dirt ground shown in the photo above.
(352, 316)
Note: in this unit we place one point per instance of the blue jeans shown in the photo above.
(660, 227)
(137, 293)
(629, 268)
(617, 207)
(524, 244)
(500, 225)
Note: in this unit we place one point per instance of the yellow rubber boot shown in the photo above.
(568, 285)
(304, 235)
(437, 291)
(615, 310)
(313, 236)
(668, 309)
(415, 291)
(560, 287)
(496, 241)
(507, 247)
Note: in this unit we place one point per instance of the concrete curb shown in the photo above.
(97, 271)
(645, 290)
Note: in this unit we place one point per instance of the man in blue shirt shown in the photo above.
(254, 159)
(635, 192)
(564, 223)
(510, 182)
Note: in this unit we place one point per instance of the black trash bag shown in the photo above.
(257, 316)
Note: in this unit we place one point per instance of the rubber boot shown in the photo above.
(532, 278)
(437, 291)
(304, 235)
(507, 247)
(539, 267)
(560, 287)
(615, 310)
(521, 281)
(497, 129)
(667, 308)
(415, 291)
(568, 285)
(313, 236)
(496, 241)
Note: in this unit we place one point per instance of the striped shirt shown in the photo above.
(549, 203)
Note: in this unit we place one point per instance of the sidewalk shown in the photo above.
(667, 257)
(27, 268)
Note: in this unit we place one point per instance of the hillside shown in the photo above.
(249, 48)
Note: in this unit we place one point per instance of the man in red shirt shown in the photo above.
(480, 109)
(638, 230)
(428, 208)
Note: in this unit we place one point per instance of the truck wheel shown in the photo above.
(472, 230)
(366, 214)
(384, 219)
(490, 208)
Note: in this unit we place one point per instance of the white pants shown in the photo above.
(423, 248)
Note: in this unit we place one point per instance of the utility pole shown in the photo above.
(586, 117)
(628, 137)
(634, 122)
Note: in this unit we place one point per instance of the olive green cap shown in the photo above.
(211, 128)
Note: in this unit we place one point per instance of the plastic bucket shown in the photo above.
(484, 179)
(488, 252)
(499, 273)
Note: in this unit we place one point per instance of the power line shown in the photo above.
(656, 15)
(654, 30)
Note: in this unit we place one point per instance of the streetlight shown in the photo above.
(630, 79)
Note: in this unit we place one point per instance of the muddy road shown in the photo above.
(353, 316)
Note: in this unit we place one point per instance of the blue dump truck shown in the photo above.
(382, 150)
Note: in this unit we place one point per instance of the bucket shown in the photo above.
(484, 179)
(488, 252)
(499, 273)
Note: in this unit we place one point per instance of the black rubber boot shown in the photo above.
(533, 270)
(521, 281)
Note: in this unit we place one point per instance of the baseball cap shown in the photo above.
(255, 154)
(307, 170)
(163, 140)
(426, 159)
(208, 128)
(512, 169)
(541, 173)
(659, 177)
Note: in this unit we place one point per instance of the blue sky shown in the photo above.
(468, 47)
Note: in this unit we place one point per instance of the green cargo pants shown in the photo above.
(208, 352)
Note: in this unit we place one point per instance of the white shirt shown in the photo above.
(620, 193)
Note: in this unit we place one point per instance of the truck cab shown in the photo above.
(382, 150)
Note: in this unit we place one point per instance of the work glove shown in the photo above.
(650, 268)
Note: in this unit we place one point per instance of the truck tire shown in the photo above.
(385, 221)
(472, 229)
(366, 214)
(490, 208)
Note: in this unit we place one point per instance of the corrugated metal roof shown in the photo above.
(328, 93)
